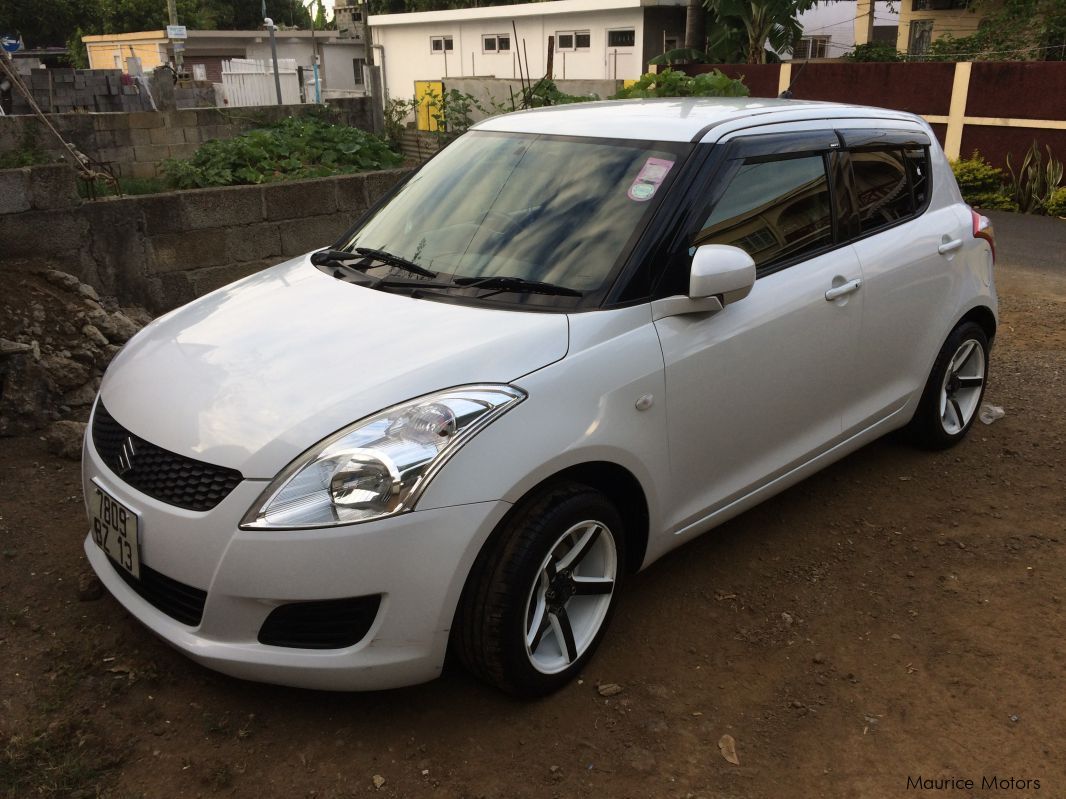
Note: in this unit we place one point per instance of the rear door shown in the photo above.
(905, 246)
(761, 386)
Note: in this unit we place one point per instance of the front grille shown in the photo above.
(329, 624)
(167, 476)
(179, 601)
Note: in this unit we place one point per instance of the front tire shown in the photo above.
(539, 598)
(953, 393)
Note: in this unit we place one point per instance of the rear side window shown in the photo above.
(775, 210)
(891, 184)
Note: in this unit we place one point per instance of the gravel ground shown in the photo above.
(898, 616)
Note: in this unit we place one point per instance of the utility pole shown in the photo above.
(269, 23)
(179, 47)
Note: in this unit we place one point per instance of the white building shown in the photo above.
(829, 28)
(594, 40)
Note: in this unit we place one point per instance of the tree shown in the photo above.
(760, 22)
(1011, 30)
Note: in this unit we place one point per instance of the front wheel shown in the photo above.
(539, 598)
(954, 391)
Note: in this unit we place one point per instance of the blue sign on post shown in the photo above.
(11, 44)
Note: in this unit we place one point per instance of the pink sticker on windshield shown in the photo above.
(650, 178)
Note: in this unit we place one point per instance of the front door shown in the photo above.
(761, 386)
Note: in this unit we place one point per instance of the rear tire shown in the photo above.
(540, 595)
(953, 393)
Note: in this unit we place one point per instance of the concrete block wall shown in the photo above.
(162, 250)
(65, 89)
(135, 144)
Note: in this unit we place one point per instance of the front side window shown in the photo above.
(495, 43)
(775, 210)
(440, 44)
(556, 209)
(621, 38)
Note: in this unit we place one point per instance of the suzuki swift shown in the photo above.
(572, 341)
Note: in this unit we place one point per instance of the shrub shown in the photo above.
(292, 149)
(670, 83)
(1034, 182)
(982, 185)
(874, 51)
(1056, 205)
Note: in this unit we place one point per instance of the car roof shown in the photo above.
(678, 119)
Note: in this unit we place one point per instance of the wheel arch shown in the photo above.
(982, 315)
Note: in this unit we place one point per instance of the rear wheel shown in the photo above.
(954, 391)
(539, 598)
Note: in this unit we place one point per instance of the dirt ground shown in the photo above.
(898, 616)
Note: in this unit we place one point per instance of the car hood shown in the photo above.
(257, 372)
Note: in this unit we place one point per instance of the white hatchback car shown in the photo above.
(574, 340)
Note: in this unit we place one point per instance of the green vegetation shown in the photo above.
(982, 185)
(1034, 182)
(293, 149)
(1031, 189)
(1010, 30)
(1056, 204)
(670, 83)
(874, 51)
(126, 186)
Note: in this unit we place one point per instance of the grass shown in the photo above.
(64, 759)
(128, 186)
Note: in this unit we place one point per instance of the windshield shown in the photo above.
(550, 209)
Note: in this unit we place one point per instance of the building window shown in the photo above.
(622, 38)
(199, 71)
(938, 5)
(357, 68)
(921, 36)
(440, 44)
(496, 43)
(811, 47)
(573, 40)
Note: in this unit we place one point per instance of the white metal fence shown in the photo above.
(249, 81)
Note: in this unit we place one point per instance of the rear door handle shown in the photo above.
(846, 288)
(949, 246)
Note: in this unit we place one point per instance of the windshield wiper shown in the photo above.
(516, 284)
(329, 257)
(395, 260)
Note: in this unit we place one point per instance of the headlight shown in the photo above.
(379, 466)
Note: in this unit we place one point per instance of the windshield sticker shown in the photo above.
(647, 182)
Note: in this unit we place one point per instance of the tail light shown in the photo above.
(982, 229)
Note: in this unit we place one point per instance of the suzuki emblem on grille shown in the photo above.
(125, 458)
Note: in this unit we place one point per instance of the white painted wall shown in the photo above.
(837, 20)
(336, 66)
(408, 56)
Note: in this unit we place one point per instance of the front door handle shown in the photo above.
(949, 246)
(846, 288)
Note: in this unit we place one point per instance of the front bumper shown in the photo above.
(417, 562)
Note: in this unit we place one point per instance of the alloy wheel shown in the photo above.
(963, 382)
(570, 596)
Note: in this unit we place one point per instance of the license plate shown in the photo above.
(114, 529)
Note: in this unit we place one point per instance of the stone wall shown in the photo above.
(163, 250)
(135, 144)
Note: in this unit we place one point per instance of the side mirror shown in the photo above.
(720, 274)
(723, 271)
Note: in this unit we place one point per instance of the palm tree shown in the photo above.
(763, 22)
